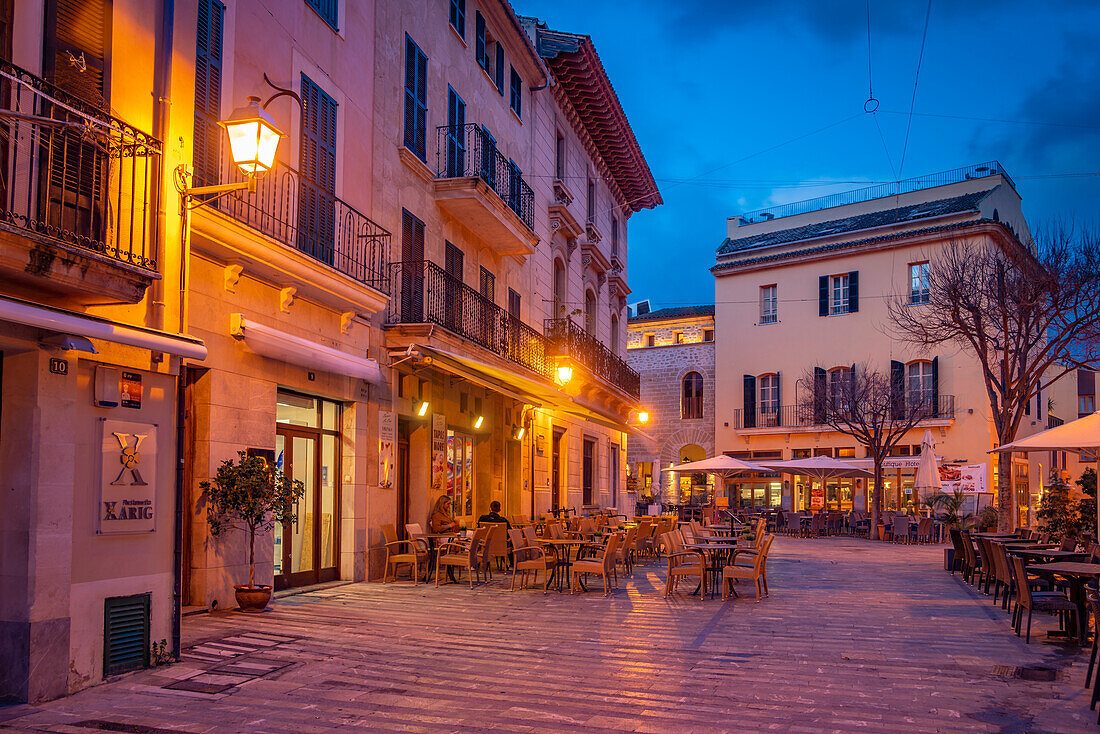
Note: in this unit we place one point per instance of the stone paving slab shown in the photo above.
(855, 636)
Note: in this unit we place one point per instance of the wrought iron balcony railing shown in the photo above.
(289, 208)
(799, 416)
(75, 174)
(469, 151)
(593, 354)
(426, 294)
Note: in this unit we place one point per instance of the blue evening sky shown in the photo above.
(712, 88)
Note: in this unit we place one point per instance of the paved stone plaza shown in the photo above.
(856, 636)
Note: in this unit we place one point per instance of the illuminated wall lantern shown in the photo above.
(253, 138)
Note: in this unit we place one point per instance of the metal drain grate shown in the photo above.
(1040, 674)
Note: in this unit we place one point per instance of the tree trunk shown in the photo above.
(251, 557)
(1006, 523)
(876, 500)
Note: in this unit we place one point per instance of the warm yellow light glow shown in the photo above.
(520, 432)
(643, 416)
(479, 421)
(565, 374)
(253, 138)
(423, 409)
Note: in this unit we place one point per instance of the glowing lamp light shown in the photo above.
(423, 409)
(643, 416)
(253, 138)
(565, 374)
(518, 431)
(479, 421)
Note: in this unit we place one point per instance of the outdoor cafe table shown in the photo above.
(564, 561)
(1040, 553)
(716, 554)
(1077, 574)
(443, 537)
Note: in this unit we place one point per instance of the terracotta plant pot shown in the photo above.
(252, 598)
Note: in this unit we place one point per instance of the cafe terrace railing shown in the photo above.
(289, 208)
(72, 173)
(425, 293)
(468, 151)
(578, 344)
(800, 416)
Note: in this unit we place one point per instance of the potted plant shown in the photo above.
(253, 495)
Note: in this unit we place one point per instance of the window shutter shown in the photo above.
(823, 295)
(317, 173)
(479, 41)
(934, 408)
(416, 100)
(78, 30)
(748, 414)
(819, 395)
(853, 291)
(897, 388)
(208, 92)
(1039, 399)
(500, 68)
(778, 398)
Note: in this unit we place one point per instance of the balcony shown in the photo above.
(800, 416)
(294, 212)
(583, 348)
(79, 195)
(425, 294)
(481, 187)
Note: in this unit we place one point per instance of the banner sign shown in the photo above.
(439, 450)
(387, 441)
(817, 497)
(968, 479)
(128, 474)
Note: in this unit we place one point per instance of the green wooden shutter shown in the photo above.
(499, 77)
(853, 291)
(516, 96)
(934, 408)
(328, 10)
(456, 140)
(416, 100)
(748, 413)
(208, 92)
(479, 41)
(823, 295)
(778, 398)
(125, 633)
(317, 173)
(897, 389)
(75, 43)
(820, 395)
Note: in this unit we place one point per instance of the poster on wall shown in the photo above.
(968, 479)
(439, 450)
(128, 477)
(387, 441)
(817, 497)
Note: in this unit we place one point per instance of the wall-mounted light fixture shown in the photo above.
(423, 409)
(565, 373)
(478, 421)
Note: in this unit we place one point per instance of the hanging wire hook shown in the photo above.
(280, 92)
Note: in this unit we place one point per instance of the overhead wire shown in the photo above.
(916, 81)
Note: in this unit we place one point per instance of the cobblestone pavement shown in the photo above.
(855, 636)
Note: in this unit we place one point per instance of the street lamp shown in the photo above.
(253, 138)
(565, 373)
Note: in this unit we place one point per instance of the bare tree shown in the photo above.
(1029, 314)
(869, 406)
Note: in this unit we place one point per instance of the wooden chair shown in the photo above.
(642, 540)
(1043, 601)
(602, 565)
(497, 542)
(415, 555)
(755, 573)
(684, 563)
(924, 530)
(471, 555)
(972, 567)
(528, 557)
(626, 550)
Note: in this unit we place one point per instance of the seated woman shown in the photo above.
(440, 520)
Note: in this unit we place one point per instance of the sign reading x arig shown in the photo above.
(127, 483)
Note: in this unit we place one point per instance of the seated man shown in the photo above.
(494, 515)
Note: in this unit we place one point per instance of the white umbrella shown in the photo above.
(1077, 436)
(720, 466)
(928, 472)
(820, 468)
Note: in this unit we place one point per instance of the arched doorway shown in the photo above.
(692, 488)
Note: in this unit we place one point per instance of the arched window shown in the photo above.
(691, 402)
(589, 311)
(559, 289)
(615, 334)
(840, 388)
(918, 385)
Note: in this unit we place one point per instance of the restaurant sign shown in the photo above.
(968, 479)
(439, 450)
(387, 441)
(128, 477)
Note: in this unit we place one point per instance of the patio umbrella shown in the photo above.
(820, 468)
(1077, 436)
(720, 466)
(928, 472)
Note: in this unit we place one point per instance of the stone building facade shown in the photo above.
(673, 350)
